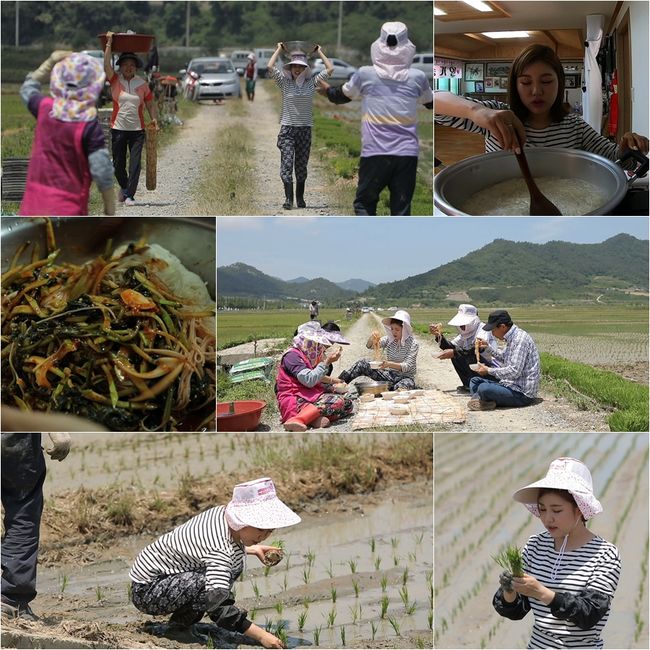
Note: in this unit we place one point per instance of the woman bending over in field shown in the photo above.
(191, 570)
(570, 573)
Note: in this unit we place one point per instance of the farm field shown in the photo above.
(357, 570)
(475, 517)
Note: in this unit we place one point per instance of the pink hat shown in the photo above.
(256, 504)
(564, 474)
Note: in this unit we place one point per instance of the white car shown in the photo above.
(424, 62)
(342, 69)
(217, 78)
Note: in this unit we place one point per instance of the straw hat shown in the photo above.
(563, 474)
(256, 504)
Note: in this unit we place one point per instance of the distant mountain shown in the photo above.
(302, 278)
(356, 284)
(243, 280)
(520, 272)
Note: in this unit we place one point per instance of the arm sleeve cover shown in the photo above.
(221, 609)
(515, 610)
(584, 609)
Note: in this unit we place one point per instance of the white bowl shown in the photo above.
(367, 397)
(417, 392)
(340, 388)
(399, 410)
(375, 365)
(388, 394)
(474, 367)
(402, 399)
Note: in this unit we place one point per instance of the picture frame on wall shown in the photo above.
(497, 69)
(473, 72)
(571, 81)
(488, 83)
(479, 87)
(470, 86)
(503, 83)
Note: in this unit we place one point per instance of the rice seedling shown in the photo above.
(410, 608)
(372, 545)
(419, 538)
(333, 593)
(256, 590)
(419, 643)
(343, 635)
(430, 620)
(302, 617)
(329, 570)
(404, 595)
(377, 563)
(281, 633)
(511, 560)
(395, 560)
(383, 582)
(331, 617)
(284, 582)
(405, 576)
(306, 575)
(355, 614)
(394, 625)
(267, 570)
(252, 614)
(373, 629)
(305, 602)
(278, 542)
(412, 557)
(63, 583)
(394, 542)
(353, 566)
(311, 556)
(384, 606)
(279, 607)
(317, 635)
(268, 625)
(209, 643)
(98, 593)
(232, 444)
(355, 586)
(443, 625)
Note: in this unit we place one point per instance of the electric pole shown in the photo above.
(340, 29)
(187, 23)
(17, 24)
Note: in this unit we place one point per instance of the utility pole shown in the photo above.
(340, 29)
(17, 23)
(187, 23)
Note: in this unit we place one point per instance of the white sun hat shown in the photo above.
(466, 315)
(256, 504)
(405, 318)
(564, 474)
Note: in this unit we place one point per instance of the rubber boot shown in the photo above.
(300, 194)
(307, 415)
(288, 196)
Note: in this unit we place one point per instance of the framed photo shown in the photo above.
(479, 87)
(503, 82)
(473, 72)
(497, 69)
(488, 82)
(470, 86)
(571, 81)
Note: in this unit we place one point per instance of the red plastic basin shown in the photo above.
(246, 417)
(123, 42)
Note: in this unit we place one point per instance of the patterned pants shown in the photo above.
(294, 143)
(395, 379)
(331, 405)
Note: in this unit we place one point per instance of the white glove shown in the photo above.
(42, 73)
(60, 446)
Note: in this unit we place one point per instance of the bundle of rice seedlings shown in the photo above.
(511, 560)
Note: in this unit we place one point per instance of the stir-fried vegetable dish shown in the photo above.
(108, 340)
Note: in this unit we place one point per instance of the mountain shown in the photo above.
(520, 272)
(356, 284)
(243, 280)
(302, 278)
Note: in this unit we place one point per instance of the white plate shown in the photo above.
(474, 367)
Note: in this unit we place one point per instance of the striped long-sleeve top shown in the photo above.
(406, 354)
(297, 101)
(201, 544)
(519, 366)
(584, 586)
(571, 133)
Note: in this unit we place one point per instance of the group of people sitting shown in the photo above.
(309, 396)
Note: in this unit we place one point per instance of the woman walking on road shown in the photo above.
(296, 120)
(130, 95)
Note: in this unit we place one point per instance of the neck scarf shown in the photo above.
(469, 333)
(75, 84)
(312, 350)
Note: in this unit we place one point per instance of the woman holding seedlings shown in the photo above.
(399, 367)
(190, 571)
(294, 140)
(303, 387)
(569, 573)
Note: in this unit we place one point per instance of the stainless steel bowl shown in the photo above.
(192, 240)
(372, 387)
(455, 183)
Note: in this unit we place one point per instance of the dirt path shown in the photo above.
(180, 164)
(551, 414)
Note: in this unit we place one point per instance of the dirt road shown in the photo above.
(180, 165)
(550, 414)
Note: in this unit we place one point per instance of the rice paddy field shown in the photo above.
(476, 517)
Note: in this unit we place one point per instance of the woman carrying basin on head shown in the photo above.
(191, 570)
(535, 112)
(570, 573)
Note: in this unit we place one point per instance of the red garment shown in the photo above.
(288, 389)
(58, 178)
(249, 73)
(613, 106)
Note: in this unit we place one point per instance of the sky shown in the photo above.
(383, 249)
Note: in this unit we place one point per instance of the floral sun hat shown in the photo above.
(256, 504)
(564, 474)
(75, 84)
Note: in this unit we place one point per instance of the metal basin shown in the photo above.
(372, 387)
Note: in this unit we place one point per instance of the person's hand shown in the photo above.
(13, 419)
(384, 365)
(533, 588)
(504, 126)
(633, 141)
(482, 370)
(279, 46)
(258, 550)
(60, 446)
(482, 343)
(336, 380)
(59, 55)
(322, 88)
(269, 641)
(333, 354)
(109, 38)
(435, 329)
(155, 123)
(446, 354)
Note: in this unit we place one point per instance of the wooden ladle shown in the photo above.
(539, 204)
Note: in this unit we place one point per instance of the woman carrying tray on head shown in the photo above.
(399, 368)
(130, 95)
(570, 573)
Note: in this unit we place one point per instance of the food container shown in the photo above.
(455, 183)
(399, 410)
(418, 392)
(372, 387)
(340, 388)
(367, 397)
(124, 42)
(244, 415)
(402, 399)
(388, 394)
(474, 367)
(375, 365)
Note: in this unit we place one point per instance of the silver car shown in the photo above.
(342, 69)
(217, 77)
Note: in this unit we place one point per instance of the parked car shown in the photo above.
(217, 78)
(424, 62)
(239, 59)
(263, 55)
(342, 69)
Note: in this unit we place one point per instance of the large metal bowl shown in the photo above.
(372, 387)
(455, 183)
(192, 240)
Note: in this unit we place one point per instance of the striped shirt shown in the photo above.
(201, 544)
(596, 565)
(572, 133)
(519, 363)
(404, 354)
(297, 100)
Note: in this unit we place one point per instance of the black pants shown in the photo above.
(394, 378)
(133, 141)
(294, 143)
(461, 361)
(23, 473)
(377, 172)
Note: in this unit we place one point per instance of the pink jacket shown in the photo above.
(288, 389)
(58, 178)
